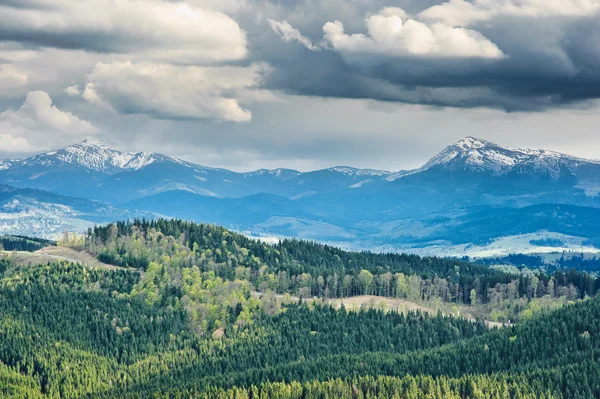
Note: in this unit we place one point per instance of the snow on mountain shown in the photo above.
(353, 172)
(280, 172)
(479, 155)
(92, 156)
(98, 157)
(7, 164)
(360, 184)
(43, 214)
(92, 170)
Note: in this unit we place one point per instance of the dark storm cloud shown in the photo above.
(550, 61)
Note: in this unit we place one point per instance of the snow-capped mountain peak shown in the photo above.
(477, 155)
(471, 143)
(97, 157)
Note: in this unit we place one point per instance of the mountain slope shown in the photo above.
(40, 213)
(193, 323)
(470, 185)
(95, 171)
(477, 155)
(98, 157)
(234, 212)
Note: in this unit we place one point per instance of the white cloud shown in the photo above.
(155, 29)
(11, 76)
(173, 92)
(163, 58)
(38, 123)
(72, 91)
(227, 6)
(391, 34)
(288, 33)
(463, 13)
(10, 143)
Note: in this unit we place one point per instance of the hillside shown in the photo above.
(308, 270)
(44, 214)
(205, 315)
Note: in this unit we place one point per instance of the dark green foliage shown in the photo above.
(521, 386)
(20, 243)
(72, 330)
(580, 263)
(557, 353)
(4, 265)
(519, 260)
(547, 242)
(122, 259)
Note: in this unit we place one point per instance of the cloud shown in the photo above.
(392, 34)
(38, 112)
(168, 91)
(10, 143)
(11, 76)
(227, 6)
(461, 12)
(167, 63)
(169, 31)
(516, 55)
(167, 59)
(289, 34)
(39, 123)
(72, 91)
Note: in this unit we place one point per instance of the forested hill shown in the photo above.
(212, 314)
(130, 244)
(72, 332)
(308, 269)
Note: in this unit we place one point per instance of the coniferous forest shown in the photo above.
(20, 243)
(197, 311)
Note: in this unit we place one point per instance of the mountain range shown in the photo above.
(473, 192)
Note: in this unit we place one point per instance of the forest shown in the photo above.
(197, 311)
(308, 270)
(20, 243)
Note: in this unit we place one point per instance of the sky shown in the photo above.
(303, 84)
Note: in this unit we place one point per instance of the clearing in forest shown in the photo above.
(49, 254)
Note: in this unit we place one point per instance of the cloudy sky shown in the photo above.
(305, 84)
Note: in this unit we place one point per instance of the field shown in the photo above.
(50, 254)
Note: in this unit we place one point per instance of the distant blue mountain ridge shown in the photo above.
(473, 191)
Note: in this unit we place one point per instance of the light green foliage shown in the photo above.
(230, 268)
